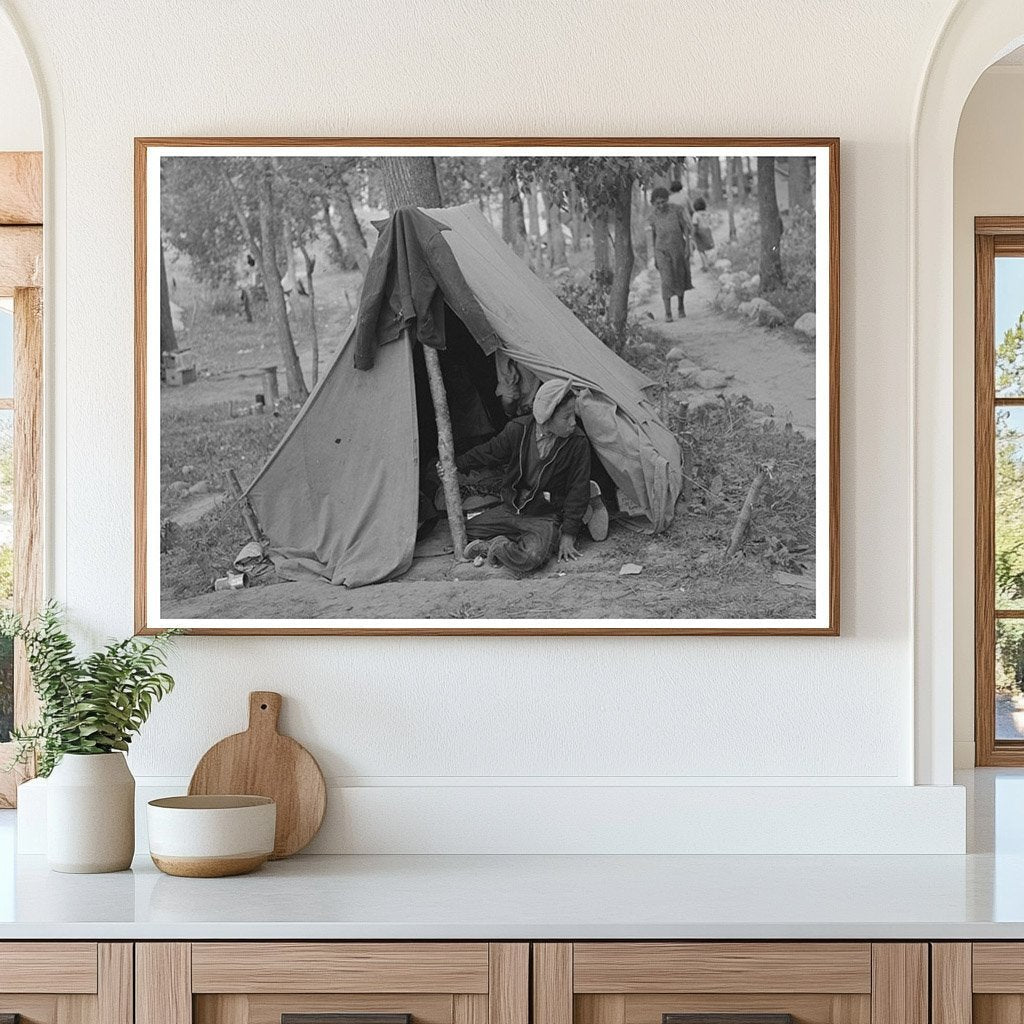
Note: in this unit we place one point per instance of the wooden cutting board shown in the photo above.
(262, 762)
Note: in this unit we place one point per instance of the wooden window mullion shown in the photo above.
(984, 501)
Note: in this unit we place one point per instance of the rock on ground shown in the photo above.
(806, 324)
(705, 380)
(761, 311)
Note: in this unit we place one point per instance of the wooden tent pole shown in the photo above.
(248, 515)
(446, 452)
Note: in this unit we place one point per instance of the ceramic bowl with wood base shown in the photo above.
(211, 836)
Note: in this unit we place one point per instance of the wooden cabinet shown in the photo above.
(754, 982)
(66, 982)
(307, 982)
(978, 983)
(512, 983)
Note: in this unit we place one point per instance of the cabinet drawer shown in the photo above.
(340, 967)
(65, 967)
(730, 983)
(634, 967)
(332, 983)
(66, 982)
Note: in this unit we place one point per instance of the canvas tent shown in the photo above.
(339, 497)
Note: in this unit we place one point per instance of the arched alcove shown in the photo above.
(976, 34)
(989, 149)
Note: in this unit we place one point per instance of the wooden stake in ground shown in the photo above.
(248, 515)
(446, 452)
(739, 531)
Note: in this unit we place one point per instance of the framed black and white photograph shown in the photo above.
(487, 386)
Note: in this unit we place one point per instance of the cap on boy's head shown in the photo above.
(676, 186)
(659, 193)
(549, 397)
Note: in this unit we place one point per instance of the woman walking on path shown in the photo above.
(703, 239)
(671, 231)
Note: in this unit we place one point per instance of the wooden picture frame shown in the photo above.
(824, 621)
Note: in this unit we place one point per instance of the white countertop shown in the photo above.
(517, 897)
(977, 896)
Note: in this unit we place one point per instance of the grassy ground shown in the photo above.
(685, 572)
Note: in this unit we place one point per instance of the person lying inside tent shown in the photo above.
(547, 495)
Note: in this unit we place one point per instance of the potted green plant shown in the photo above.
(89, 710)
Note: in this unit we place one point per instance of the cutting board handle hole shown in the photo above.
(263, 707)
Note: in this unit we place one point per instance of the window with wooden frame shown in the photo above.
(21, 367)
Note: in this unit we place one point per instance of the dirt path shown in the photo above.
(773, 366)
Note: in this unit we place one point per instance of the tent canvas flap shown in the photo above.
(339, 497)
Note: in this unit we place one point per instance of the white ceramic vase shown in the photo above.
(90, 814)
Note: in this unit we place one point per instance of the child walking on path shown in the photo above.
(671, 231)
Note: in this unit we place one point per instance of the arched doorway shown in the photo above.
(977, 33)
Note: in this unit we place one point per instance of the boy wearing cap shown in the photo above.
(546, 491)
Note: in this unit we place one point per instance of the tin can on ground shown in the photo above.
(233, 581)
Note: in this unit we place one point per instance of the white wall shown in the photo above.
(21, 127)
(464, 711)
(987, 181)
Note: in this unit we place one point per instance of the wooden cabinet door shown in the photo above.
(730, 983)
(66, 982)
(332, 983)
(978, 983)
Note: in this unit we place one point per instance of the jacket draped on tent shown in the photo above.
(339, 495)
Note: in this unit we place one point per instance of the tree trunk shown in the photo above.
(715, 186)
(410, 181)
(344, 259)
(355, 242)
(288, 244)
(297, 390)
(506, 216)
(638, 227)
(168, 339)
(771, 225)
(744, 174)
(704, 174)
(264, 251)
(618, 298)
(799, 183)
(310, 262)
(730, 195)
(556, 240)
(532, 215)
(602, 257)
(519, 237)
(513, 224)
(575, 218)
